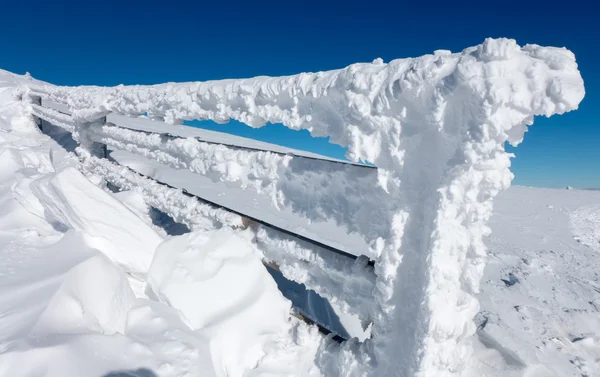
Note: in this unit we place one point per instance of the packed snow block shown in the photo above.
(10, 163)
(13, 159)
(218, 283)
(134, 200)
(94, 296)
(72, 200)
(435, 127)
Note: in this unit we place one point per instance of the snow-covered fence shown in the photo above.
(434, 126)
(304, 259)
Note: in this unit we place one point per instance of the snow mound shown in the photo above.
(94, 296)
(70, 200)
(241, 308)
(585, 225)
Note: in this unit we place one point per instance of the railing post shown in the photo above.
(39, 121)
(96, 149)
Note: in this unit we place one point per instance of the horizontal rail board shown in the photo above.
(306, 238)
(254, 206)
(213, 137)
(254, 219)
(62, 108)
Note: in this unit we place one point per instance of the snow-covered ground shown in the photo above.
(92, 285)
(540, 294)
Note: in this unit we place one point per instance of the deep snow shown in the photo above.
(428, 244)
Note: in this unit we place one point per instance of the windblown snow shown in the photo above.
(95, 282)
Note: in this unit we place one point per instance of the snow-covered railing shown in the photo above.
(343, 270)
(434, 126)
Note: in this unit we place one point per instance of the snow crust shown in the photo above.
(540, 290)
(435, 127)
(585, 222)
(70, 200)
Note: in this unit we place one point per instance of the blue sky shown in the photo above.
(146, 42)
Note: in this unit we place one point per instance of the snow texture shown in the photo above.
(547, 323)
(585, 222)
(83, 305)
(435, 127)
(223, 269)
(70, 200)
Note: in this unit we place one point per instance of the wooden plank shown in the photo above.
(55, 106)
(176, 131)
(248, 220)
(207, 136)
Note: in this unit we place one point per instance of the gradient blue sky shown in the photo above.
(146, 42)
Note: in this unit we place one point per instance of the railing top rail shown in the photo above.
(208, 136)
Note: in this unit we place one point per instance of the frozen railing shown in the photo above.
(281, 243)
(434, 126)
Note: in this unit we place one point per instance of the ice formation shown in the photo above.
(435, 127)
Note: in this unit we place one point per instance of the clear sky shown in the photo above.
(146, 42)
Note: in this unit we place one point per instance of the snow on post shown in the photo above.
(435, 127)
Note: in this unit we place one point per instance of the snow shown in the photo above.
(585, 222)
(72, 201)
(222, 268)
(547, 323)
(434, 126)
(211, 265)
(82, 305)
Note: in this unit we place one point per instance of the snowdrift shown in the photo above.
(434, 126)
(70, 200)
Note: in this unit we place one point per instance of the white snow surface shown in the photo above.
(586, 226)
(222, 270)
(540, 292)
(434, 126)
(70, 200)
